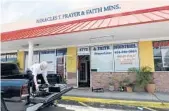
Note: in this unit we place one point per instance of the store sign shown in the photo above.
(165, 57)
(83, 51)
(126, 56)
(11, 57)
(161, 44)
(102, 58)
(80, 13)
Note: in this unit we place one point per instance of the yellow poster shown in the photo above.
(71, 59)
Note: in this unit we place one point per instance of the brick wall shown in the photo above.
(162, 81)
(101, 79)
(72, 79)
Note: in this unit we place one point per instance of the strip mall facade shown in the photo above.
(91, 46)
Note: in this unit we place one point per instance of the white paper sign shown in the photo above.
(102, 58)
(126, 56)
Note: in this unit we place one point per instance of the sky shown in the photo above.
(15, 10)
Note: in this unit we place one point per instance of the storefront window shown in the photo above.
(35, 58)
(161, 55)
(126, 56)
(50, 57)
(102, 58)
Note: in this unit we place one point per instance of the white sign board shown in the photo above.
(102, 58)
(83, 51)
(126, 56)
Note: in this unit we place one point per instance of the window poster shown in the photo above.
(165, 56)
(50, 57)
(102, 58)
(126, 56)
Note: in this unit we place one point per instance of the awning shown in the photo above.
(152, 15)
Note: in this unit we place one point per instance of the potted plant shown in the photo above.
(150, 87)
(111, 86)
(128, 85)
(144, 78)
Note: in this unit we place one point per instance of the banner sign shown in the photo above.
(165, 57)
(102, 58)
(126, 56)
(80, 13)
(83, 51)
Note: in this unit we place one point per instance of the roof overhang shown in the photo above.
(132, 33)
(157, 14)
(147, 24)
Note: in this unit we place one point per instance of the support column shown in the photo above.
(146, 54)
(30, 54)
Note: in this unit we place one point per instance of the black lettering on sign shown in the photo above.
(84, 49)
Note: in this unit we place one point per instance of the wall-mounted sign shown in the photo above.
(80, 13)
(157, 44)
(126, 56)
(102, 58)
(83, 51)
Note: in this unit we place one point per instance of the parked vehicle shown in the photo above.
(16, 89)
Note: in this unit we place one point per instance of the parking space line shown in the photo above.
(150, 109)
(86, 105)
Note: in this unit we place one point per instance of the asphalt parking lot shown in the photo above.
(78, 106)
(63, 105)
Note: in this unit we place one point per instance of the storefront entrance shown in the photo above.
(84, 71)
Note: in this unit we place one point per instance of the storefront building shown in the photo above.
(90, 47)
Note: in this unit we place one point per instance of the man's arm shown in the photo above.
(34, 72)
(45, 77)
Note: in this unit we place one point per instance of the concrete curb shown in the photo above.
(120, 102)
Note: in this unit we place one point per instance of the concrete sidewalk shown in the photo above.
(134, 96)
